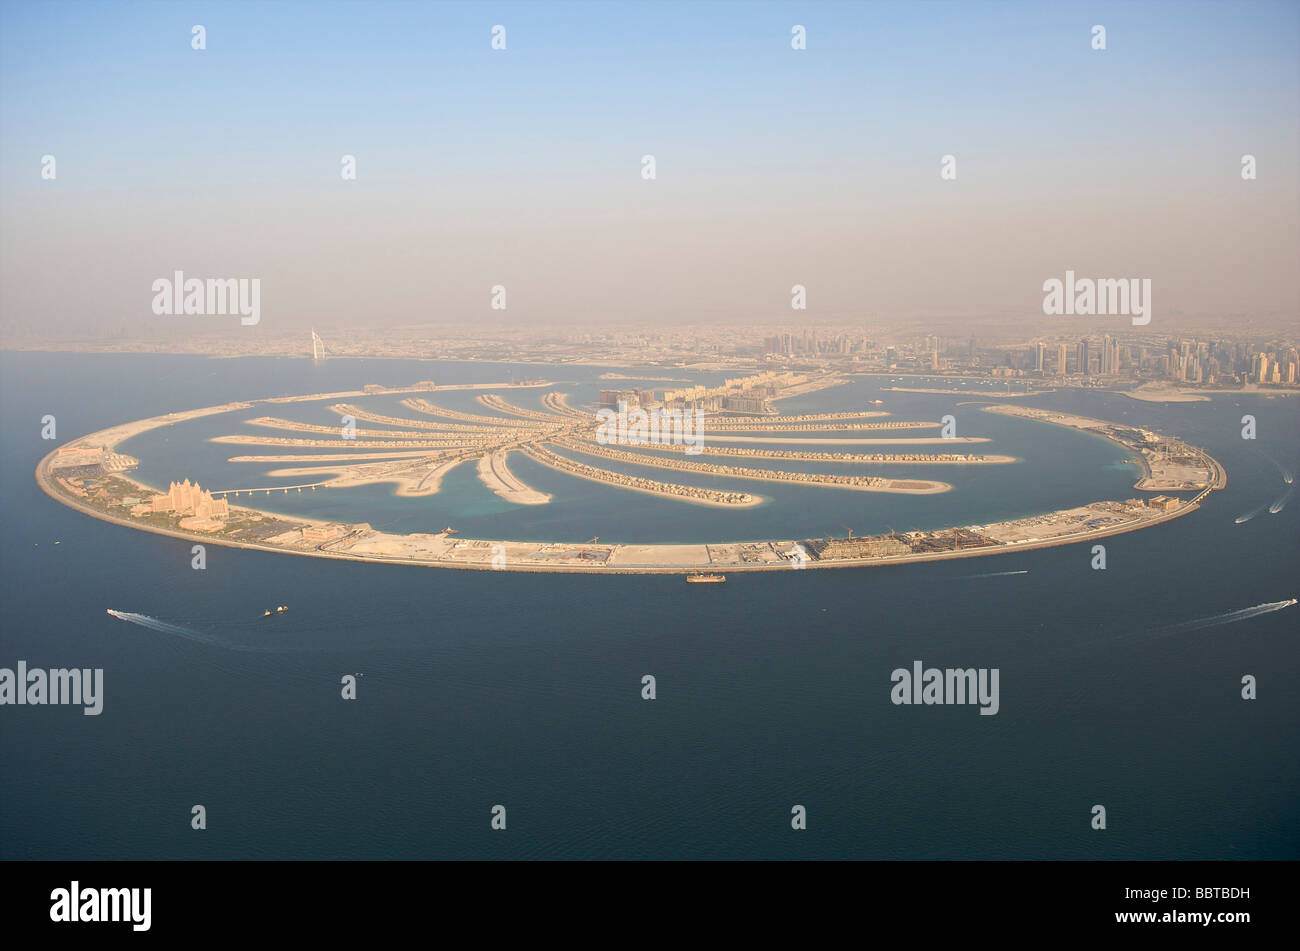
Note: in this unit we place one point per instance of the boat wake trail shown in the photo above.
(1229, 618)
(154, 624)
(994, 574)
(1080, 649)
(1287, 477)
(189, 634)
(1277, 505)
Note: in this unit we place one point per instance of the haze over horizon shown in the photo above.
(522, 167)
(649, 430)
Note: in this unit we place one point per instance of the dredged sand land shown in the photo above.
(496, 475)
(358, 541)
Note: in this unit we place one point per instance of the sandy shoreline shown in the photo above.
(1188, 479)
(603, 477)
(358, 542)
(728, 471)
(902, 441)
(496, 475)
(676, 559)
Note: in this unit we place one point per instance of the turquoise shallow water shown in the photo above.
(480, 688)
(1058, 468)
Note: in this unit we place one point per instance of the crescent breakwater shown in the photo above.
(88, 475)
(1168, 464)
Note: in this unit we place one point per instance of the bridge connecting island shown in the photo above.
(415, 452)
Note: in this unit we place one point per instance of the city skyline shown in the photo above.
(648, 430)
(524, 168)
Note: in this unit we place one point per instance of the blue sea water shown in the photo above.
(1117, 687)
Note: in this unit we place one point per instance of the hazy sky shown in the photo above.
(523, 167)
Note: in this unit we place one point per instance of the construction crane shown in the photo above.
(591, 553)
